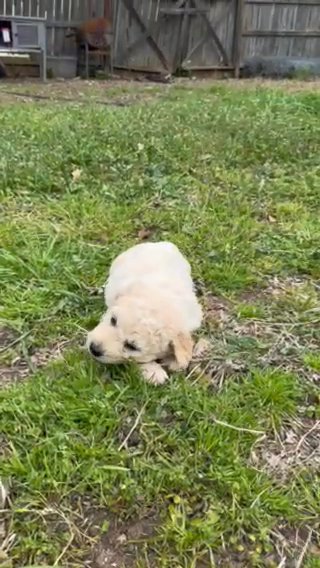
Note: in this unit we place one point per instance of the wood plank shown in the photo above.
(203, 40)
(33, 8)
(16, 8)
(145, 30)
(63, 23)
(10, 7)
(237, 38)
(183, 36)
(213, 34)
(211, 68)
(202, 52)
(182, 11)
(280, 33)
(283, 2)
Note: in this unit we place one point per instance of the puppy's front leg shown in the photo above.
(153, 373)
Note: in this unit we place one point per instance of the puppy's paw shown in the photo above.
(153, 373)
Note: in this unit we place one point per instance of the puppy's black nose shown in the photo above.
(95, 349)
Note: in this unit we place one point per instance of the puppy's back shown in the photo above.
(158, 271)
(158, 264)
(151, 258)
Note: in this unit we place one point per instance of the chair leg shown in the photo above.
(44, 65)
(87, 60)
(111, 59)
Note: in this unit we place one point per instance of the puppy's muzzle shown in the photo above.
(95, 349)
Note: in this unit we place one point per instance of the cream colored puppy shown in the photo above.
(152, 311)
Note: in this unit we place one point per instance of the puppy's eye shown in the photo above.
(113, 321)
(130, 346)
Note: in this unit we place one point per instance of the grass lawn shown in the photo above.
(217, 468)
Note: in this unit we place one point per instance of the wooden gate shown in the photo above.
(168, 35)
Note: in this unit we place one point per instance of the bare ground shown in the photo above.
(124, 92)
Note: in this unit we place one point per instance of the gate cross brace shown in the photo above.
(202, 41)
(147, 34)
(225, 59)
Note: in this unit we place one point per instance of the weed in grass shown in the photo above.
(312, 360)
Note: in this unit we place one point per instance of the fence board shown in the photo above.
(203, 52)
(132, 48)
(281, 29)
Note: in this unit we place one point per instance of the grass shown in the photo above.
(90, 453)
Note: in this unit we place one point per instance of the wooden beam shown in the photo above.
(213, 34)
(210, 68)
(183, 11)
(293, 3)
(142, 38)
(237, 37)
(62, 24)
(202, 41)
(279, 33)
(131, 9)
(183, 30)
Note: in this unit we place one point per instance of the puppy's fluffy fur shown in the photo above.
(152, 311)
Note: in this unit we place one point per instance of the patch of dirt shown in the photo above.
(129, 435)
(291, 545)
(8, 373)
(252, 295)
(78, 91)
(275, 287)
(288, 85)
(147, 233)
(122, 91)
(6, 539)
(21, 367)
(237, 343)
(212, 362)
(295, 447)
(7, 336)
(216, 310)
(119, 548)
(286, 545)
(290, 284)
(13, 373)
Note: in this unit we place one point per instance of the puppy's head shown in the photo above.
(136, 330)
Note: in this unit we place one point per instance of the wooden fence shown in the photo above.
(164, 35)
(281, 28)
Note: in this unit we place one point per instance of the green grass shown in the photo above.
(232, 177)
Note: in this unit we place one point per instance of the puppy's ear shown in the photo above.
(182, 346)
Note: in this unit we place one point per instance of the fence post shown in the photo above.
(237, 37)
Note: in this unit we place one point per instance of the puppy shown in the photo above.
(152, 311)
